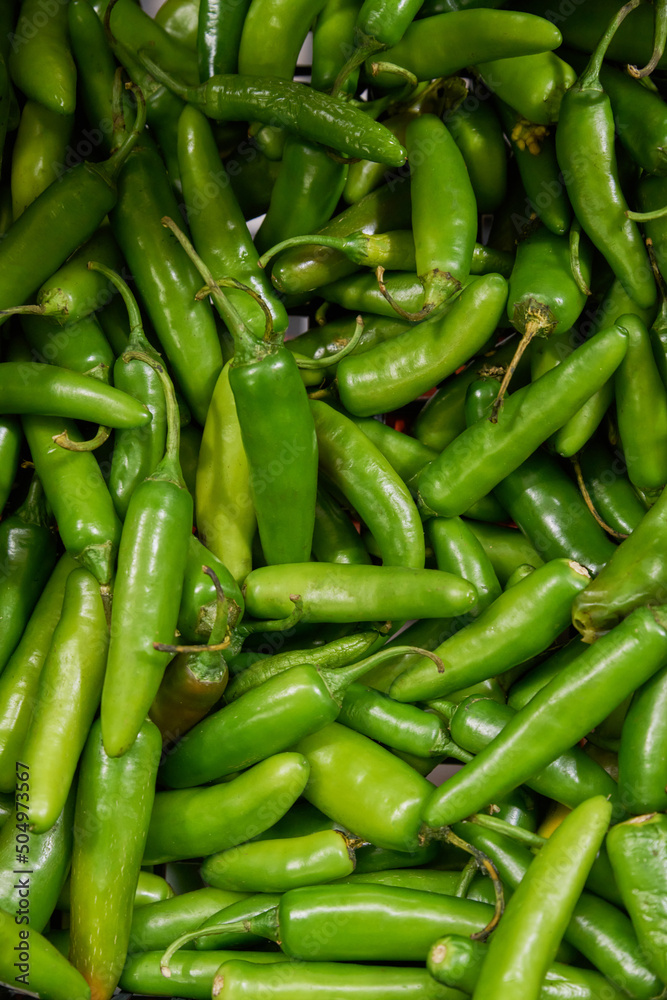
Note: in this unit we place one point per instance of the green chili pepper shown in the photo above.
(457, 962)
(634, 576)
(20, 679)
(401, 727)
(637, 853)
(39, 151)
(393, 374)
(303, 269)
(40, 62)
(365, 922)
(344, 784)
(406, 454)
(10, 449)
(80, 346)
(46, 858)
(479, 135)
(155, 926)
(533, 85)
(638, 385)
(30, 961)
(260, 723)
(571, 778)
(219, 231)
(199, 599)
(338, 653)
(132, 27)
(328, 340)
(107, 856)
(70, 686)
(200, 821)
(527, 938)
(318, 118)
(58, 221)
(610, 490)
(147, 593)
(465, 472)
(506, 548)
(179, 19)
(447, 43)
(305, 194)
(225, 513)
(538, 677)
(340, 980)
(233, 915)
(335, 592)
(280, 865)
(333, 35)
(191, 975)
(335, 539)
(218, 34)
(352, 463)
(643, 750)
(558, 716)
(442, 419)
(585, 148)
(517, 634)
(28, 554)
(534, 149)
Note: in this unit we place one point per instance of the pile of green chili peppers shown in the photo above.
(333, 499)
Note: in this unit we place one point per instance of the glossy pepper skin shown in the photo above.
(151, 566)
(585, 150)
(637, 850)
(28, 552)
(529, 932)
(225, 514)
(335, 592)
(40, 966)
(40, 149)
(470, 656)
(279, 439)
(392, 374)
(67, 700)
(107, 858)
(359, 470)
(343, 784)
(203, 821)
(327, 980)
(560, 714)
(41, 63)
(373, 922)
(49, 858)
(20, 679)
(571, 778)
(319, 118)
(190, 973)
(465, 471)
(642, 757)
(600, 931)
(446, 43)
(219, 28)
(633, 576)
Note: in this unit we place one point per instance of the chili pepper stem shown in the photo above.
(234, 928)
(467, 876)
(532, 328)
(589, 502)
(246, 348)
(138, 339)
(657, 213)
(66, 442)
(368, 47)
(589, 79)
(178, 88)
(659, 40)
(508, 830)
(442, 283)
(311, 364)
(117, 159)
(339, 679)
(483, 863)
